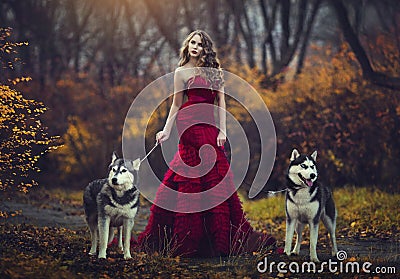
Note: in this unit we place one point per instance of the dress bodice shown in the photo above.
(198, 90)
(196, 115)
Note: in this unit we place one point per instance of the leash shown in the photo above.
(270, 193)
(273, 193)
(148, 153)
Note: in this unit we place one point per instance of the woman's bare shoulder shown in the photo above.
(183, 73)
(179, 73)
(182, 70)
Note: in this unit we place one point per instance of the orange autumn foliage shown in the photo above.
(353, 124)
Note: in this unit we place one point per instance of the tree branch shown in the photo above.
(350, 36)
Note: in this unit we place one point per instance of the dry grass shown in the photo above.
(362, 212)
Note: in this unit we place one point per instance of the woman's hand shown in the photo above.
(221, 138)
(162, 136)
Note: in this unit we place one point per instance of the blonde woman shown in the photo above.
(220, 230)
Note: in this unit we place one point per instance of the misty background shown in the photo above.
(327, 70)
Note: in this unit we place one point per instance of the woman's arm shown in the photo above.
(221, 138)
(176, 104)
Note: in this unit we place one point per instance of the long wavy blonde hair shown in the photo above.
(208, 58)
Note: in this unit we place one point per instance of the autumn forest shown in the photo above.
(327, 70)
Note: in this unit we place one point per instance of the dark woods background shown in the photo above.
(328, 71)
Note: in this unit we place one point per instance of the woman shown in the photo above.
(220, 230)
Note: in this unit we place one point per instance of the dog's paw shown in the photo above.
(127, 254)
(127, 257)
(287, 252)
(314, 259)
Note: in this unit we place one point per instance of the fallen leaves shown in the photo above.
(29, 251)
(47, 252)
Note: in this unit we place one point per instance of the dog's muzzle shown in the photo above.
(308, 181)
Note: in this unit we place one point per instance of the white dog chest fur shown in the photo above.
(120, 211)
(307, 201)
(302, 210)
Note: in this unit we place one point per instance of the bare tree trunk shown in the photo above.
(290, 24)
(166, 20)
(239, 12)
(306, 37)
(269, 21)
(219, 24)
(351, 37)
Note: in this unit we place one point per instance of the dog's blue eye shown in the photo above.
(303, 166)
(114, 170)
(124, 170)
(312, 167)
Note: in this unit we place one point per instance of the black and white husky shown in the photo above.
(307, 202)
(113, 202)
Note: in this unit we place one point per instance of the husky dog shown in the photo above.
(307, 202)
(113, 202)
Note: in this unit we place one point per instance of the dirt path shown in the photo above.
(71, 217)
(58, 215)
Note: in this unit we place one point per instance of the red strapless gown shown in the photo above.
(221, 230)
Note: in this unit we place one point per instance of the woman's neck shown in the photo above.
(192, 62)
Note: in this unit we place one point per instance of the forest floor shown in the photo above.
(43, 235)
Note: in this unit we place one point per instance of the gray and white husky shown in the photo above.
(113, 202)
(307, 202)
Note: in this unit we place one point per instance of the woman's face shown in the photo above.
(195, 46)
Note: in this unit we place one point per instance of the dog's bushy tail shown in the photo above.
(90, 196)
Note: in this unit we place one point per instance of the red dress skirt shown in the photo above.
(199, 166)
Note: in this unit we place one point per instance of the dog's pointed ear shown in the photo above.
(114, 157)
(295, 155)
(314, 155)
(136, 164)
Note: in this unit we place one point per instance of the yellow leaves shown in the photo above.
(77, 139)
(299, 100)
(135, 127)
(337, 63)
(64, 83)
(352, 259)
(8, 49)
(336, 161)
(328, 51)
(20, 79)
(23, 133)
(363, 212)
(5, 214)
(352, 56)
